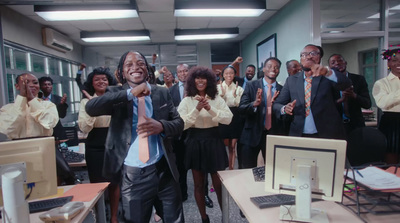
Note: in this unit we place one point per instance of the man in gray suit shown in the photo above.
(155, 181)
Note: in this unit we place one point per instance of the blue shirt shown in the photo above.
(309, 124)
(155, 149)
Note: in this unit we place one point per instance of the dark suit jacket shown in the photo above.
(327, 119)
(61, 108)
(363, 100)
(176, 96)
(240, 80)
(115, 103)
(254, 120)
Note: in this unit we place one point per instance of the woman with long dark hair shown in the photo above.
(202, 110)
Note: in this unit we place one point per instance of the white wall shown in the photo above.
(349, 50)
(25, 31)
(293, 26)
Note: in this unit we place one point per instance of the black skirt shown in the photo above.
(390, 126)
(94, 154)
(205, 150)
(234, 129)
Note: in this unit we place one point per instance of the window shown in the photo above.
(369, 67)
(53, 66)
(20, 60)
(37, 63)
(7, 59)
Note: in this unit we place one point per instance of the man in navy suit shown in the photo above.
(321, 118)
(253, 107)
(46, 86)
(177, 93)
(353, 98)
(143, 183)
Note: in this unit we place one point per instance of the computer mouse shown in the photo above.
(71, 206)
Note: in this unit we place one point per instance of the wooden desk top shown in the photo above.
(241, 186)
(34, 218)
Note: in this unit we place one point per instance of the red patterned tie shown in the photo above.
(143, 142)
(268, 112)
(307, 95)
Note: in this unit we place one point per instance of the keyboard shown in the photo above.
(73, 157)
(273, 200)
(45, 205)
(259, 173)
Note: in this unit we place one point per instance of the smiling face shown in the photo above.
(201, 85)
(271, 70)
(134, 69)
(294, 67)
(337, 62)
(229, 74)
(309, 56)
(46, 87)
(31, 81)
(394, 65)
(182, 72)
(100, 83)
(250, 72)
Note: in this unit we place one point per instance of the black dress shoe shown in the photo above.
(241, 214)
(209, 202)
(184, 197)
(207, 220)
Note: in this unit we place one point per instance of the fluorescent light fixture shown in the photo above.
(221, 8)
(115, 36)
(205, 34)
(85, 12)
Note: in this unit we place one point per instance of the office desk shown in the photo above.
(97, 201)
(240, 185)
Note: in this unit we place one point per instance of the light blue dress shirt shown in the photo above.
(155, 149)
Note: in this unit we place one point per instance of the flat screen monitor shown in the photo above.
(305, 167)
(38, 154)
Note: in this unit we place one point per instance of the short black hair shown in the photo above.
(202, 72)
(44, 79)
(321, 51)
(251, 65)
(88, 85)
(288, 63)
(273, 58)
(335, 54)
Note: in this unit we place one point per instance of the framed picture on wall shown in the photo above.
(265, 50)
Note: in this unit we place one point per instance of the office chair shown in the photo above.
(366, 145)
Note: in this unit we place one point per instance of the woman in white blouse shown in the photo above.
(231, 93)
(203, 110)
(386, 92)
(97, 128)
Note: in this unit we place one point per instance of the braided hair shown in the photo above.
(120, 71)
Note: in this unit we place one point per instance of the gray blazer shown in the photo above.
(115, 103)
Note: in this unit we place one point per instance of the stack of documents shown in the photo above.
(376, 178)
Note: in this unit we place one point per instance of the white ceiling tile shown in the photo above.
(91, 25)
(155, 5)
(159, 17)
(192, 23)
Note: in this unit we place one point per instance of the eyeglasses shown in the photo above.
(312, 53)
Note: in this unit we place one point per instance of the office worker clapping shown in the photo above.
(202, 110)
(231, 93)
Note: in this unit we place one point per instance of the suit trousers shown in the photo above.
(247, 155)
(152, 185)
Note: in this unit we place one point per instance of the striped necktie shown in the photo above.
(307, 95)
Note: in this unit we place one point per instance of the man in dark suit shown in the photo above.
(319, 117)
(150, 181)
(46, 86)
(253, 106)
(249, 73)
(177, 93)
(353, 98)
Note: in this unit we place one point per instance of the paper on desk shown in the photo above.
(85, 192)
(376, 178)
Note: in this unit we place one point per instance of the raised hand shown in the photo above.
(63, 99)
(141, 90)
(289, 107)
(319, 70)
(88, 96)
(349, 93)
(275, 96)
(223, 91)
(257, 102)
(149, 127)
(82, 66)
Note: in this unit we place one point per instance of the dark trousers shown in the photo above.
(247, 155)
(179, 150)
(152, 185)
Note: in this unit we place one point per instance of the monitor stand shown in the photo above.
(302, 211)
(16, 208)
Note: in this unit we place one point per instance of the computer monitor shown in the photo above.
(26, 163)
(305, 167)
